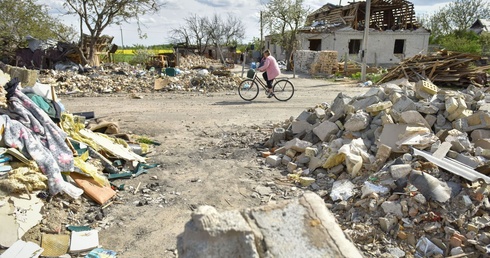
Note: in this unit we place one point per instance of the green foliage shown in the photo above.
(458, 15)
(22, 18)
(141, 56)
(461, 41)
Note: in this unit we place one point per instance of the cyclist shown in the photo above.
(271, 71)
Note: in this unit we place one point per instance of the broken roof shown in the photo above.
(385, 15)
(481, 25)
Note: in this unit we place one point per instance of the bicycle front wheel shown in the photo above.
(248, 90)
(283, 90)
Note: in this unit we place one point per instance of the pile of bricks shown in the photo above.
(404, 167)
(316, 62)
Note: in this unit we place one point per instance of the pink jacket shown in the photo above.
(271, 67)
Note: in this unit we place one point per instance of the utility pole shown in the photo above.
(122, 40)
(261, 31)
(365, 40)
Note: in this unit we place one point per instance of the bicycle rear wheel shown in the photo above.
(283, 90)
(248, 90)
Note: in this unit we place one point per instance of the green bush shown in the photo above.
(141, 56)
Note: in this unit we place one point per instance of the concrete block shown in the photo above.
(431, 120)
(273, 160)
(336, 169)
(379, 106)
(400, 171)
(470, 161)
(482, 143)
(426, 108)
(357, 122)
(302, 159)
(480, 134)
(441, 120)
(404, 104)
(325, 130)
(297, 144)
(267, 231)
(442, 150)
(362, 104)
(375, 91)
(451, 104)
(311, 137)
(394, 97)
(285, 160)
(389, 135)
(301, 126)
(413, 117)
(338, 106)
(386, 119)
(427, 87)
(291, 167)
(479, 151)
(291, 153)
(304, 116)
(311, 151)
(281, 150)
(27, 77)
(320, 113)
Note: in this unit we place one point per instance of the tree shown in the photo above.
(200, 31)
(456, 16)
(193, 33)
(21, 18)
(284, 18)
(222, 32)
(96, 15)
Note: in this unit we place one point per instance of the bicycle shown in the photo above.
(249, 88)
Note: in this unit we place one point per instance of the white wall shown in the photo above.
(380, 44)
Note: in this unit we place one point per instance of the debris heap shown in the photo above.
(444, 68)
(404, 167)
(46, 154)
(197, 74)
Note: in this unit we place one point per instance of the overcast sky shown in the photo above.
(171, 16)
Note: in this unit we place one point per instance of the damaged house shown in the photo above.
(393, 36)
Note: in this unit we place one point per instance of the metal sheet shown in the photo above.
(454, 167)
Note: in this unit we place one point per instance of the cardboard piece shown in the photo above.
(100, 194)
(9, 229)
(55, 245)
(161, 83)
(22, 249)
(28, 212)
(84, 240)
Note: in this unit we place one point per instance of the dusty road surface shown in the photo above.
(208, 156)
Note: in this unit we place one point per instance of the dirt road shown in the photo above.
(207, 157)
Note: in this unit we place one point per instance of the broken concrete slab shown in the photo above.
(357, 122)
(266, 231)
(325, 130)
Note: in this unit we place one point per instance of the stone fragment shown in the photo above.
(480, 134)
(431, 120)
(390, 207)
(27, 77)
(357, 122)
(400, 171)
(301, 126)
(297, 145)
(442, 150)
(291, 167)
(263, 190)
(413, 117)
(362, 104)
(404, 104)
(426, 108)
(273, 160)
(320, 112)
(339, 105)
(387, 223)
(311, 151)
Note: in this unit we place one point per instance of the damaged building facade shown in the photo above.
(394, 33)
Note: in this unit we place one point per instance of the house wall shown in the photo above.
(380, 44)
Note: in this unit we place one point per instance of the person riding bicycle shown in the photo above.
(271, 70)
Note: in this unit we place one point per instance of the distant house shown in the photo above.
(394, 32)
(480, 26)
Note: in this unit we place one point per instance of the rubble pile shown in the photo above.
(404, 167)
(125, 78)
(444, 68)
(48, 160)
(195, 61)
